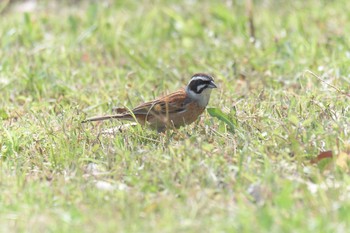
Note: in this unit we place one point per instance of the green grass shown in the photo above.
(61, 62)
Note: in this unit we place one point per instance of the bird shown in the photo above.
(174, 110)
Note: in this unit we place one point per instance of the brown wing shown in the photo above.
(172, 103)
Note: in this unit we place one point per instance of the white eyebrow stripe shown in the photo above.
(203, 78)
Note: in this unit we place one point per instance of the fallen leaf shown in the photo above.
(323, 155)
(325, 159)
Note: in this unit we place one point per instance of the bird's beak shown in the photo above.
(212, 85)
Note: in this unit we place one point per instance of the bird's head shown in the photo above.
(200, 87)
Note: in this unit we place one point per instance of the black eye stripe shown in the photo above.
(194, 84)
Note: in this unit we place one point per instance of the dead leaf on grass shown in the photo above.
(341, 160)
(322, 155)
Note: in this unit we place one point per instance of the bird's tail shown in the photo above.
(108, 117)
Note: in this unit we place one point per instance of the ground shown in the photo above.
(282, 68)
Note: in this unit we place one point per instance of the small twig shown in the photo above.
(249, 8)
(328, 84)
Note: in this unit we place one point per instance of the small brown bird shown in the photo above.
(174, 110)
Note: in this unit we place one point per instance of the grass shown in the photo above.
(61, 62)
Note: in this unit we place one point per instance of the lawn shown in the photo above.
(283, 73)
